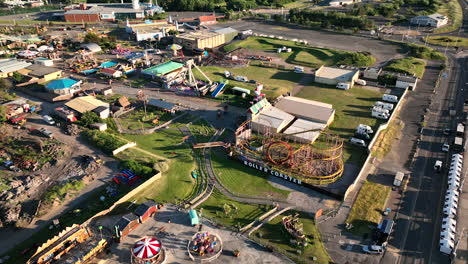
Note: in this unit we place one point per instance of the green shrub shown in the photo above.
(357, 59)
(423, 52)
(61, 191)
(105, 141)
(137, 167)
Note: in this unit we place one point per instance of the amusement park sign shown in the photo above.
(272, 172)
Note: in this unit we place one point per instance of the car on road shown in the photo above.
(447, 131)
(445, 147)
(373, 249)
(438, 166)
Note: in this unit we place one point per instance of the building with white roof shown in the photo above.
(434, 20)
(9, 66)
(333, 76)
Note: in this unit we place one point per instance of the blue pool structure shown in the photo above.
(108, 64)
(91, 71)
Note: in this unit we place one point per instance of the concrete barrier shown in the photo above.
(124, 147)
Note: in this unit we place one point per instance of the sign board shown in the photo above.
(271, 172)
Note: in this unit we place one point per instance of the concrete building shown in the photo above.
(65, 86)
(343, 2)
(371, 73)
(199, 40)
(9, 66)
(307, 109)
(91, 47)
(406, 82)
(333, 76)
(434, 20)
(207, 20)
(89, 103)
(112, 73)
(44, 62)
(42, 73)
(150, 29)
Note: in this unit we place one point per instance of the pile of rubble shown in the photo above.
(72, 129)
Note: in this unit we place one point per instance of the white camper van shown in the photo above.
(361, 82)
(358, 142)
(380, 115)
(380, 110)
(387, 106)
(343, 86)
(364, 129)
(390, 98)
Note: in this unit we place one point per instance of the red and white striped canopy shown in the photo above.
(147, 248)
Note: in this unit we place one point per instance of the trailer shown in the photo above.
(460, 130)
(398, 179)
(458, 144)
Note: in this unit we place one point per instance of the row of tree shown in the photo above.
(390, 9)
(327, 19)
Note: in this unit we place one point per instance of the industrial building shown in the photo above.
(371, 73)
(150, 29)
(434, 20)
(9, 66)
(333, 76)
(164, 71)
(298, 119)
(406, 82)
(205, 39)
(89, 103)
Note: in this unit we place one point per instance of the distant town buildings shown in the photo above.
(343, 2)
(148, 29)
(205, 39)
(9, 66)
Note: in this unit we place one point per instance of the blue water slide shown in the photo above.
(218, 89)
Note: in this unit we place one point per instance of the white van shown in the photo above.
(343, 86)
(48, 120)
(241, 79)
(383, 105)
(298, 69)
(358, 142)
(380, 115)
(390, 98)
(361, 82)
(364, 129)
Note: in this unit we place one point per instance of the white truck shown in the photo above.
(398, 178)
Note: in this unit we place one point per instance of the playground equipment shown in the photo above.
(293, 226)
(147, 250)
(126, 176)
(187, 84)
(204, 247)
(318, 163)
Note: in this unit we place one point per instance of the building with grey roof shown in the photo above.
(333, 76)
(307, 109)
(9, 66)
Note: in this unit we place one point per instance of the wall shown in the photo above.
(124, 147)
(82, 18)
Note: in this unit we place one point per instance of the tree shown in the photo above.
(3, 111)
(173, 32)
(5, 85)
(17, 77)
(89, 118)
(91, 37)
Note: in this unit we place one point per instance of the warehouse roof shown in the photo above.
(274, 117)
(307, 128)
(163, 68)
(85, 104)
(161, 104)
(12, 65)
(226, 30)
(194, 35)
(90, 11)
(306, 109)
(39, 71)
(344, 75)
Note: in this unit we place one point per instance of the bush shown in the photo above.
(89, 118)
(61, 191)
(105, 141)
(137, 167)
(423, 52)
(357, 59)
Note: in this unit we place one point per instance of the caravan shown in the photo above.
(390, 98)
(380, 115)
(387, 106)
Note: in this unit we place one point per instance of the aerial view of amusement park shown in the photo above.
(233, 131)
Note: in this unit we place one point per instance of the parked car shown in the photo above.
(46, 133)
(373, 249)
(49, 120)
(447, 131)
(438, 165)
(445, 147)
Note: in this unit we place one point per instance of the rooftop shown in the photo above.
(61, 83)
(12, 65)
(274, 117)
(194, 35)
(307, 109)
(305, 126)
(39, 71)
(163, 68)
(161, 104)
(207, 18)
(335, 73)
(85, 104)
(226, 30)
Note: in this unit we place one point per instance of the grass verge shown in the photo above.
(448, 41)
(454, 11)
(367, 209)
(202, 130)
(231, 213)
(243, 180)
(409, 65)
(273, 235)
(386, 139)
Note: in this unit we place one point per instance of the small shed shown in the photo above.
(126, 224)
(163, 105)
(123, 101)
(102, 111)
(109, 72)
(44, 62)
(99, 126)
(146, 210)
(193, 217)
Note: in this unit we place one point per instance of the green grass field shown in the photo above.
(243, 180)
(454, 11)
(176, 182)
(273, 234)
(302, 54)
(213, 208)
(202, 130)
(448, 41)
(408, 65)
(136, 119)
(275, 81)
(352, 107)
(367, 209)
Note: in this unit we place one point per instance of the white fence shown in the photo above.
(124, 147)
